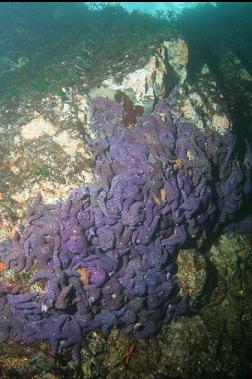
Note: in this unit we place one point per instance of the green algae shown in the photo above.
(42, 170)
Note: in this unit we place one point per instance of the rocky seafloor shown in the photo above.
(42, 149)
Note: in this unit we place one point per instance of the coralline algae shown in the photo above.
(108, 254)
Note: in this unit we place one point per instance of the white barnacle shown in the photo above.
(44, 307)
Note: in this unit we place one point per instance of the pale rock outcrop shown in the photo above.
(146, 84)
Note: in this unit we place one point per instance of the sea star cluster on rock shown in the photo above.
(107, 254)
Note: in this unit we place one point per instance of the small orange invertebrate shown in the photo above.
(2, 266)
(161, 199)
(85, 275)
(156, 199)
(127, 356)
(163, 194)
(178, 164)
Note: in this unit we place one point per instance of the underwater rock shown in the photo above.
(107, 254)
(178, 55)
(8, 65)
(37, 128)
(146, 84)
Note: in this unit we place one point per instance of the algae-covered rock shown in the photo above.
(163, 71)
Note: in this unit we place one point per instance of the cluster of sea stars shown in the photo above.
(108, 254)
